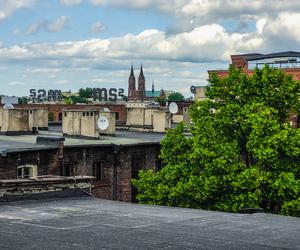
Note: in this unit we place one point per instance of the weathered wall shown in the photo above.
(161, 121)
(119, 165)
(135, 116)
(38, 118)
(57, 109)
(177, 118)
(15, 120)
(111, 117)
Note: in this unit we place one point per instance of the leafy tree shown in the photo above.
(75, 99)
(86, 93)
(243, 152)
(23, 100)
(162, 101)
(176, 97)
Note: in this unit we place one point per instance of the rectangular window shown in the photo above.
(98, 171)
(66, 170)
(26, 171)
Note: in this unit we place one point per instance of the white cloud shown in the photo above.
(7, 7)
(16, 83)
(97, 27)
(56, 26)
(70, 2)
(194, 13)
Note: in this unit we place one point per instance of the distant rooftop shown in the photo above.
(257, 56)
(149, 93)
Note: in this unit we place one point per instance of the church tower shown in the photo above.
(141, 83)
(131, 83)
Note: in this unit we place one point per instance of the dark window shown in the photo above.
(117, 115)
(98, 171)
(65, 113)
(30, 112)
(60, 116)
(20, 172)
(83, 114)
(92, 113)
(138, 163)
(66, 170)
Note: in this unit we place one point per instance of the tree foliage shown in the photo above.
(243, 152)
(86, 93)
(175, 97)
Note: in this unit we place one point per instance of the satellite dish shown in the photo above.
(173, 107)
(103, 123)
(193, 89)
(106, 110)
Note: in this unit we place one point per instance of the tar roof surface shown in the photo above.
(28, 142)
(86, 223)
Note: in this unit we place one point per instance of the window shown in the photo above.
(26, 171)
(98, 171)
(66, 170)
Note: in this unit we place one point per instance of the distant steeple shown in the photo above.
(152, 90)
(131, 83)
(141, 82)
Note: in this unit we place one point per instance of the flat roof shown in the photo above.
(21, 143)
(86, 223)
(257, 56)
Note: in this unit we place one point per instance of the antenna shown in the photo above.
(8, 101)
(173, 107)
(102, 123)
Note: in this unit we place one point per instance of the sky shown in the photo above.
(72, 44)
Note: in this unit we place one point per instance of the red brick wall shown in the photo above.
(117, 165)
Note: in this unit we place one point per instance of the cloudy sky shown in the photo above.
(69, 44)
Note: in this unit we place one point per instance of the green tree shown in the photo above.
(243, 152)
(86, 93)
(175, 97)
(75, 99)
(23, 100)
(162, 101)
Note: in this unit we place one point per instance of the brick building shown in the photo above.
(288, 62)
(113, 161)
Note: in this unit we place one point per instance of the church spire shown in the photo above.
(141, 82)
(152, 88)
(131, 83)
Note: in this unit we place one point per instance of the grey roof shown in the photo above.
(86, 223)
(253, 57)
(22, 143)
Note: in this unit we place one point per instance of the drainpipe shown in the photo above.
(116, 149)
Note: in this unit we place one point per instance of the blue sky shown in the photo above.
(69, 44)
